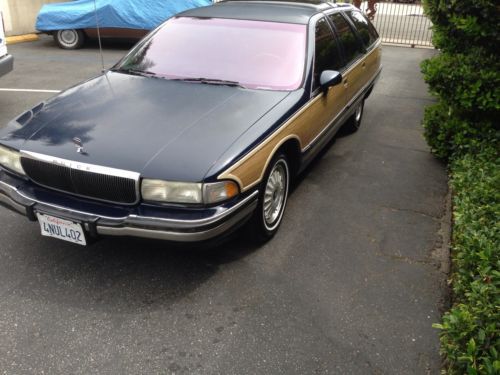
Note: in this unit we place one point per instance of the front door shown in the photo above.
(325, 105)
(354, 70)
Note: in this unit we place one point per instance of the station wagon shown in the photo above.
(199, 129)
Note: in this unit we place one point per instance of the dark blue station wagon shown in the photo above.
(200, 128)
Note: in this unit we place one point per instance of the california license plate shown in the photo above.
(62, 229)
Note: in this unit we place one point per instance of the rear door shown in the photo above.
(370, 38)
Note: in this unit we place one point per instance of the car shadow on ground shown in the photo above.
(341, 133)
(130, 275)
(117, 275)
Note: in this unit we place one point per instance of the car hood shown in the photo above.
(162, 129)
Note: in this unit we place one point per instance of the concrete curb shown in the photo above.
(21, 38)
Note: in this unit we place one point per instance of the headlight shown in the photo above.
(11, 159)
(187, 192)
(174, 192)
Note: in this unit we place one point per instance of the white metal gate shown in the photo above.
(402, 22)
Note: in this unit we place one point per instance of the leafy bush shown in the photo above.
(448, 133)
(464, 25)
(470, 330)
(463, 127)
(465, 76)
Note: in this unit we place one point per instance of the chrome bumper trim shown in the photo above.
(135, 225)
(179, 236)
(10, 203)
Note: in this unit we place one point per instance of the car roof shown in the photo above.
(298, 12)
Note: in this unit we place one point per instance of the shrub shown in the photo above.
(464, 25)
(465, 76)
(448, 133)
(470, 330)
(463, 127)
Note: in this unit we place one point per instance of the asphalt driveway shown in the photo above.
(350, 285)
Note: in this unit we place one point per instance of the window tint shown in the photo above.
(348, 40)
(366, 30)
(327, 55)
(257, 54)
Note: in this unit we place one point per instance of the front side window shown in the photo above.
(349, 41)
(365, 29)
(327, 55)
(256, 54)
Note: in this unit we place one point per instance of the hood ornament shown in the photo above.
(79, 145)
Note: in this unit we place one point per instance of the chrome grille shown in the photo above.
(79, 182)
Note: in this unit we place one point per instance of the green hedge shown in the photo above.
(465, 76)
(470, 330)
(463, 128)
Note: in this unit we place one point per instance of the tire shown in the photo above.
(354, 122)
(274, 192)
(69, 39)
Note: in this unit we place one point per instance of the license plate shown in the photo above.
(62, 229)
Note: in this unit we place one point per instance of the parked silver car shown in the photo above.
(6, 60)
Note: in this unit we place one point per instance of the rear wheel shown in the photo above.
(272, 199)
(69, 39)
(354, 122)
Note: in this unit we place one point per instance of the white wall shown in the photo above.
(6, 16)
(20, 15)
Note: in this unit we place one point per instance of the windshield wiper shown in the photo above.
(136, 72)
(210, 81)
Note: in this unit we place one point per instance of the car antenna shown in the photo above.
(99, 36)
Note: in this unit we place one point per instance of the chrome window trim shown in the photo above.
(85, 167)
(312, 29)
(348, 68)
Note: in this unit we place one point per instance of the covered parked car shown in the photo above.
(201, 127)
(6, 60)
(72, 22)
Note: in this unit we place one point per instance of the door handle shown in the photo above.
(346, 83)
(363, 65)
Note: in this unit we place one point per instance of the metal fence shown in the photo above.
(402, 23)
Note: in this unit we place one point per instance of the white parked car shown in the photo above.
(6, 60)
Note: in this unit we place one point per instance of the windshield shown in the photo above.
(252, 54)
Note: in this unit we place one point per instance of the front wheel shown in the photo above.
(69, 39)
(272, 199)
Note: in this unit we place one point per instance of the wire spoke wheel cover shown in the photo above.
(275, 194)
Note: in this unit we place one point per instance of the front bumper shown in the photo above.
(146, 221)
(6, 64)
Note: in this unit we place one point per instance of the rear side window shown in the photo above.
(327, 55)
(365, 29)
(349, 41)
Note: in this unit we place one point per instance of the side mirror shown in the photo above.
(329, 78)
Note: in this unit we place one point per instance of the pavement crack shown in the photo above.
(432, 100)
(412, 211)
(426, 151)
(405, 259)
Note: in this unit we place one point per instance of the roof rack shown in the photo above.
(311, 2)
(330, 3)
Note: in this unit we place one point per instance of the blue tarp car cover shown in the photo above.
(129, 14)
